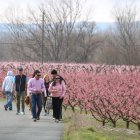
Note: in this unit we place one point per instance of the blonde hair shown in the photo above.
(46, 75)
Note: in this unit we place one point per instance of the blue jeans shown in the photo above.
(36, 100)
(9, 97)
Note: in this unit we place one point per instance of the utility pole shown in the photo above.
(43, 15)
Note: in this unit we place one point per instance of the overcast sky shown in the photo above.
(102, 8)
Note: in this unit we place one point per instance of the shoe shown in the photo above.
(34, 119)
(10, 109)
(22, 113)
(56, 120)
(45, 114)
(17, 113)
(60, 119)
(5, 108)
(38, 118)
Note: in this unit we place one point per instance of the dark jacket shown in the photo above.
(20, 83)
(47, 87)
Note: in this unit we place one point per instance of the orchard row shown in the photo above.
(108, 92)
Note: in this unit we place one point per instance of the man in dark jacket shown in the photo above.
(20, 88)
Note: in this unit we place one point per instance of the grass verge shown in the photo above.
(84, 127)
(87, 134)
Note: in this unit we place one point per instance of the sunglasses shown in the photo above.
(38, 75)
(57, 78)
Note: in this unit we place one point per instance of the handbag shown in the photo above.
(27, 100)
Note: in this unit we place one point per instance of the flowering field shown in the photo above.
(108, 92)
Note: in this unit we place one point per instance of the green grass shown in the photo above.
(87, 134)
(84, 127)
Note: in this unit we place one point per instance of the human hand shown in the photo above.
(4, 96)
(13, 92)
(50, 95)
(39, 90)
(61, 97)
(3, 92)
(54, 90)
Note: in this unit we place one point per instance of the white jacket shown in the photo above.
(8, 82)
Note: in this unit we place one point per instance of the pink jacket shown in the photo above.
(58, 90)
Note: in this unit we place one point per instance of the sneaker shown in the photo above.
(5, 107)
(22, 113)
(38, 118)
(56, 120)
(45, 114)
(34, 119)
(61, 120)
(17, 113)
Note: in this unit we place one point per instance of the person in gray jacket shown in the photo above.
(7, 88)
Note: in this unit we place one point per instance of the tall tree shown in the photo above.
(127, 32)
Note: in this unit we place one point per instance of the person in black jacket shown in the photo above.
(20, 88)
(46, 83)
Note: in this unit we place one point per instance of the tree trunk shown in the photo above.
(127, 124)
(65, 107)
(103, 123)
(81, 110)
(114, 124)
(73, 109)
(138, 126)
(86, 112)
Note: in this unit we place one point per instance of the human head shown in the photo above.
(20, 70)
(54, 73)
(9, 73)
(37, 74)
(58, 79)
(46, 77)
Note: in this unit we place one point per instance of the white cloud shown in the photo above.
(101, 9)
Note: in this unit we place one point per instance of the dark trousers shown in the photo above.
(44, 100)
(57, 107)
(36, 99)
(20, 97)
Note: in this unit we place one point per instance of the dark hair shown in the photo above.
(54, 82)
(53, 72)
(20, 68)
(62, 79)
(35, 72)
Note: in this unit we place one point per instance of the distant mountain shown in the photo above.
(100, 26)
(3, 27)
(104, 25)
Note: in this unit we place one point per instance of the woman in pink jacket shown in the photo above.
(57, 89)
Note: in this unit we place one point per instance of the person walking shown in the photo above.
(20, 88)
(7, 88)
(46, 83)
(57, 89)
(54, 74)
(36, 87)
